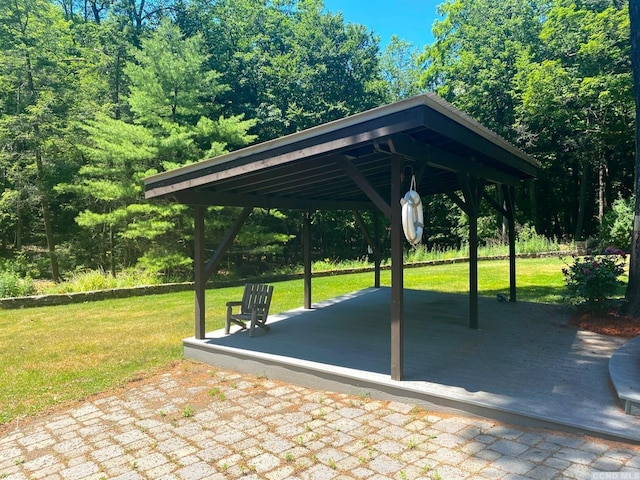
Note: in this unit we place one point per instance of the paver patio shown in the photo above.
(196, 422)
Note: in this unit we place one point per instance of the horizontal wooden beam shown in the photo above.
(438, 158)
(265, 201)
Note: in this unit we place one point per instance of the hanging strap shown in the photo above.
(413, 183)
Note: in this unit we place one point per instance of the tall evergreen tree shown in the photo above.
(173, 122)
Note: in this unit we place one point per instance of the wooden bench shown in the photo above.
(254, 308)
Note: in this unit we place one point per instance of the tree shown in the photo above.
(633, 287)
(291, 65)
(173, 122)
(400, 69)
(575, 110)
(105, 49)
(38, 79)
(137, 14)
(169, 81)
(554, 78)
(84, 10)
(475, 56)
(326, 71)
(109, 183)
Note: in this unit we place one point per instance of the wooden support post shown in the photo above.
(509, 198)
(507, 210)
(306, 258)
(473, 269)
(199, 272)
(377, 259)
(397, 280)
(472, 189)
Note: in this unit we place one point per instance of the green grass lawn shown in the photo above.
(52, 355)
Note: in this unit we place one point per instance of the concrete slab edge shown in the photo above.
(624, 371)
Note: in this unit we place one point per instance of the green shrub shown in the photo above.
(592, 281)
(172, 266)
(617, 224)
(12, 285)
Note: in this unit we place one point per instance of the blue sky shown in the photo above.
(409, 19)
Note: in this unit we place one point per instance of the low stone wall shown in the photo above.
(81, 297)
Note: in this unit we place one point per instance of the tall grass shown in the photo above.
(90, 280)
(527, 242)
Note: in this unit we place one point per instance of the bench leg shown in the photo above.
(227, 327)
(254, 320)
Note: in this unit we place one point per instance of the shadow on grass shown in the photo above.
(533, 293)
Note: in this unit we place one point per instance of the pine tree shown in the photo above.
(173, 122)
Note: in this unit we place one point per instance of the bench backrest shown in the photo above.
(257, 294)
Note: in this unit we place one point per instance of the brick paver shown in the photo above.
(194, 422)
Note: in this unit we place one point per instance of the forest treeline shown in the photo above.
(95, 95)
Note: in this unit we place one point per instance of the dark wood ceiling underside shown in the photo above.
(344, 167)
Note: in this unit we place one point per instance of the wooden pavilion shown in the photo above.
(362, 162)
